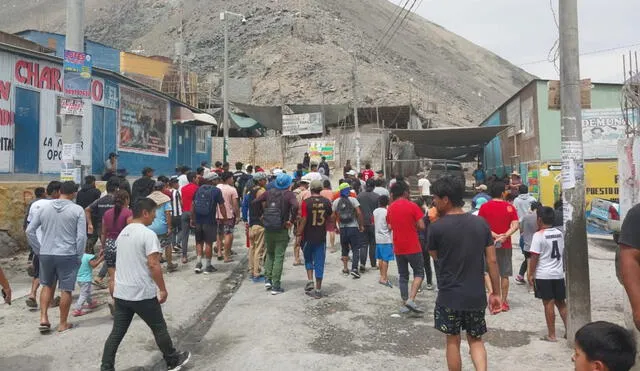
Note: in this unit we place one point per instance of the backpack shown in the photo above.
(273, 215)
(346, 210)
(203, 200)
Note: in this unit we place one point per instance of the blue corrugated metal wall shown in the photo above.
(492, 151)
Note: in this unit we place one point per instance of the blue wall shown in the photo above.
(492, 151)
(103, 56)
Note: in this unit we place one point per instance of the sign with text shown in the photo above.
(302, 123)
(77, 69)
(317, 149)
(144, 125)
(601, 130)
(71, 106)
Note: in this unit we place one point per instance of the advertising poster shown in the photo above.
(533, 179)
(601, 130)
(144, 124)
(303, 123)
(601, 181)
(317, 149)
(549, 179)
(70, 106)
(77, 74)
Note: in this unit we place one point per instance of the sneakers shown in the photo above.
(429, 287)
(172, 267)
(309, 286)
(316, 294)
(362, 269)
(505, 307)
(257, 279)
(412, 306)
(355, 274)
(277, 291)
(179, 361)
(198, 268)
(209, 269)
(78, 313)
(520, 280)
(177, 249)
(267, 284)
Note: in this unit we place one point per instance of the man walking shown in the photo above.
(64, 230)
(256, 228)
(368, 203)
(351, 226)
(280, 212)
(405, 219)
(629, 242)
(143, 186)
(324, 166)
(503, 221)
(425, 189)
(176, 214)
(227, 225)
(88, 192)
(203, 217)
(460, 243)
(546, 271)
(186, 193)
(312, 236)
(139, 273)
(367, 173)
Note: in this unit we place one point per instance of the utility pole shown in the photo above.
(355, 109)
(225, 124)
(573, 191)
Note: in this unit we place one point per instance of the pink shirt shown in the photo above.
(114, 227)
(327, 193)
(229, 193)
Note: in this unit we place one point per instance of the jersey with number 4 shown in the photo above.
(549, 245)
(317, 210)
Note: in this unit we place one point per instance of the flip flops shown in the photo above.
(547, 338)
(388, 284)
(71, 327)
(44, 328)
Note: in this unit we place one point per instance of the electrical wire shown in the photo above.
(400, 25)
(592, 52)
(390, 26)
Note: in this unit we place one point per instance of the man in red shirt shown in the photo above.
(367, 173)
(502, 218)
(187, 192)
(405, 218)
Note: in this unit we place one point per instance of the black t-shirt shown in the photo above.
(368, 203)
(87, 195)
(629, 235)
(460, 241)
(98, 208)
(317, 210)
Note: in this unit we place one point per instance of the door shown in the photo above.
(181, 146)
(97, 142)
(110, 131)
(27, 128)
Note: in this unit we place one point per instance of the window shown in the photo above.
(201, 138)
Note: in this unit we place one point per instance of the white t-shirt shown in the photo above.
(182, 180)
(355, 203)
(133, 280)
(549, 245)
(383, 233)
(34, 211)
(425, 186)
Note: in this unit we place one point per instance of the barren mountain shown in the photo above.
(294, 50)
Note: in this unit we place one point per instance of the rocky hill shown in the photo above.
(294, 50)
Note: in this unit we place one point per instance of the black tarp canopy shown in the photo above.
(449, 143)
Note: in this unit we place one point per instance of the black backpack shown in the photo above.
(273, 217)
(203, 200)
(346, 210)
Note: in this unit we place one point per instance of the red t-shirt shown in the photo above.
(402, 216)
(187, 193)
(499, 215)
(367, 174)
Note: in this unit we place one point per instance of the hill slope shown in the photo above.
(294, 50)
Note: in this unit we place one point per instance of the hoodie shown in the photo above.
(523, 204)
(87, 194)
(64, 228)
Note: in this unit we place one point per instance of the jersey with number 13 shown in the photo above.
(317, 210)
(549, 245)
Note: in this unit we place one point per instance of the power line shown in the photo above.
(390, 26)
(400, 24)
(592, 52)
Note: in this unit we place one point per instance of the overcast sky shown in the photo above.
(523, 31)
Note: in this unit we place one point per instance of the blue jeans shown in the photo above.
(314, 255)
(351, 238)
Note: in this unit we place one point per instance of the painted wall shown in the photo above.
(103, 56)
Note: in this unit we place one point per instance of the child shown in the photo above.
(422, 236)
(528, 226)
(546, 270)
(85, 276)
(384, 244)
(604, 346)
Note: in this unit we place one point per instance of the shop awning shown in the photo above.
(449, 143)
(183, 115)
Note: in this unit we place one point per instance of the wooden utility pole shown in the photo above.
(573, 191)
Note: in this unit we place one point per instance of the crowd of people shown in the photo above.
(141, 226)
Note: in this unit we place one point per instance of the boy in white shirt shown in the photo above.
(546, 270)
(384, 243)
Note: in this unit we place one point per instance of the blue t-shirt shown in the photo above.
(211, 217)
(85, 272)
(159, 225)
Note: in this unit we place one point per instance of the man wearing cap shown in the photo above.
(143, 186)
(379, 174)
(64, 230)
(351, 226)
(515, 183)
(162, 223)
(256, 229)
(368, 203)
(482, 193)
(203, 219)
(277, 202)
(227, 223)
(302, 193)
(110, 166)
(315, 213)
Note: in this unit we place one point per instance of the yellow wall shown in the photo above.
(141, 65)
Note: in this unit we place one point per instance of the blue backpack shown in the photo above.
(203, 200)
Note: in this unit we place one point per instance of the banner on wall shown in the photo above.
(317, 149)
(601, 130)
(77, 68)
(143, 126)
(303, 123)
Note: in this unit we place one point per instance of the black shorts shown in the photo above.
(551, 289)
(206, 233)
(451, 321)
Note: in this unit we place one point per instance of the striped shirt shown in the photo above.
(176, 203)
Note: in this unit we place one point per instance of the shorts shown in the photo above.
(350, 238)
(505, 266)
(450, 322)
(63, 269)
(165, 240)
(206, 233)
(384, 252)
(226, 226)
(314, 257)
(550, 289)
(110, 253)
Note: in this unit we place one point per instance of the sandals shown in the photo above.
(44, 328)
(31, 303)
(388, 284)
(547, 338)
(71, 327)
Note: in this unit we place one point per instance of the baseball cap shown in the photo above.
(259, 176)
(283, 181)
(158, 185)
(343, 186)
(351, 172)
(306, 179)
(212, 175)
(316, 185)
